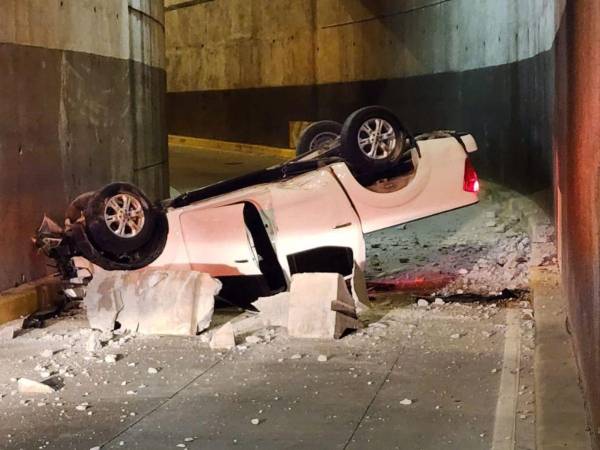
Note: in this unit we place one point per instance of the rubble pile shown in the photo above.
(483, 250)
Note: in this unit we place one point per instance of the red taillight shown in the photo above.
(471, 182)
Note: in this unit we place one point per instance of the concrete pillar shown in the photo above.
(82, 104)
(577, 187)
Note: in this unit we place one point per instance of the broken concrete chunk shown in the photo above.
(11, 329)
(103, 301)
(322, 358)
(110, 359)
(253, 340)
(248, 322)
(93, 343)
(406, 402)
(151, 302)
(274, 310)
(320, 306)
(223, 338)
(422, 303)
(359, 292)
(27, 386)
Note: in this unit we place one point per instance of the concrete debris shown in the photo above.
(406, 402)
(47, 353)
(11, 329)
(152, 370)
(439, 302)
(93, 343)
(253, 340)
(296, 356)
(255, 421)
(274, 310)
(82, 406)
(322, 358)
(111, 359)
(223, 338)
(138, 300)
(441, 257)
(27, 386)
(320, 306)
(358, 289)
(422, 303)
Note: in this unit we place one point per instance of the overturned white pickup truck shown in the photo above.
(308, 214)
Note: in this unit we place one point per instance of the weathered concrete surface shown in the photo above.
(320, 306)
(577, 190)
(242, 70)
(81, 106)
(556, 374)
(151, 302)
(352, 400)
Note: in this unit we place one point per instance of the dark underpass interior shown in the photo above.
(314, 268)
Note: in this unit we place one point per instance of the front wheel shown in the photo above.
(372, 139)
(119, 219)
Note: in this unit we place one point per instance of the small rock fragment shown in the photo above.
(406, 402)
(255, 421)
(93, 343)
(253, 339)
(438, 301)
(322, 358)
(47, 353)
(27, 386)
(152, 370)
(223, 338)
(111, 359)
(296, 356)
(422, 303)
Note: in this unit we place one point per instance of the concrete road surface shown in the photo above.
(193, 168)
(417, 378)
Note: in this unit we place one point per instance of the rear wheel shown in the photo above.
(372, 138)
(318, 136)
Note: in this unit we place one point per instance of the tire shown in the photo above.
(317, 135)
(358, 132)
(119, 219)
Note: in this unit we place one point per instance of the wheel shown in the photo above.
(372, 138)
(318, 135)
(119, 219)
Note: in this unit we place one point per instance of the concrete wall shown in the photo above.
(577, 191)
(240, 70)
(82, 88)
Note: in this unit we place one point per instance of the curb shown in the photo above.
(561, 420)
(237, 147)
(29, 298)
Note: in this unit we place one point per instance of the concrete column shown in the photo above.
(81, 89)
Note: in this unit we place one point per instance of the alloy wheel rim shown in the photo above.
(124, 215)
(322, 140)
(376, 138)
